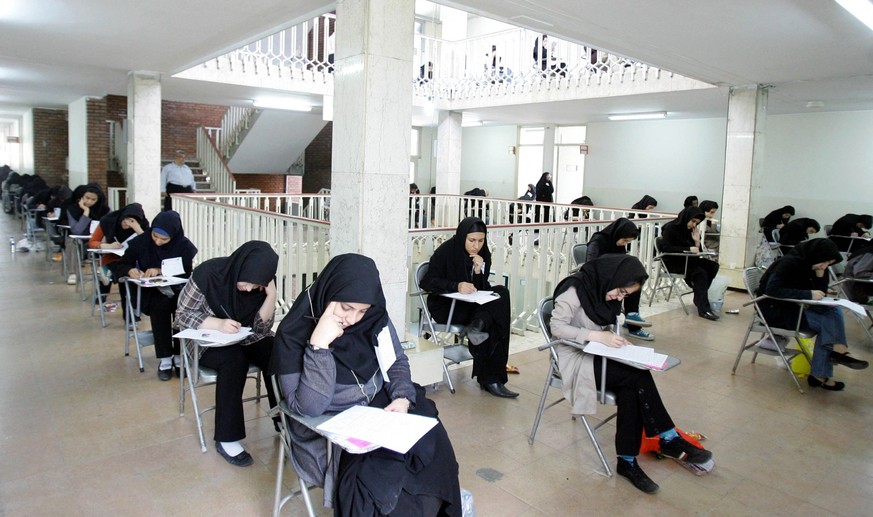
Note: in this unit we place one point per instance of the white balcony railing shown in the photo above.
(530, 258)
(214, 165)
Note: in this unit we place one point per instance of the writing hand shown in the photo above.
(152, 271)
(330, 327)
(817, 295)
(466, 288)
(229, 326)
(134, 273)
(694, 249)
(609, 339)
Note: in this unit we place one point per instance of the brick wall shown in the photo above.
(317, 163)
(50, 145)
(268, 183)
(179, 123)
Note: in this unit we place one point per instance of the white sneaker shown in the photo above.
(71, 280)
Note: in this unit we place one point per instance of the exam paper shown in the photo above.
(395, 431)
(158, 281)
(214, 337)
(480, 297)
(632, 353)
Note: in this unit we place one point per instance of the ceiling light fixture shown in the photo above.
(815, 105)
(639, 116)
(860, 9)
(282, 104)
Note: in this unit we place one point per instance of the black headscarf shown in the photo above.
(775, 218)
(795, 268)
(97, 211)
(621, 228)
(646, 201)
(347, 278)
(459, 262)
(848, 224)
(689, 201)
(596, 278)
(254, 262)
(545, 189)
(143, 249)
(707, 205)
(795, 231)
(111, 222)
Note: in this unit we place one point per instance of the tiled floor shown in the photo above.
(83, 432)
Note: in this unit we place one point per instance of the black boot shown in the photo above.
(498, 390)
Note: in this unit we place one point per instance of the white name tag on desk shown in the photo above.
(172, 267)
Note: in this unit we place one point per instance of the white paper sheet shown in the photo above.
(841, 302)
(480, 297)
(642, 355)
(172, 267)
(214, 337)
(395, 431)
(159, 281)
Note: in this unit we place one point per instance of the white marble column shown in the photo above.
(371, 139)
(77, 153)
(144, 141)
(448, 155)
(746, 124)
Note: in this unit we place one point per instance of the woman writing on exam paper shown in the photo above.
(335, 349)
(802, 275)
(461, 265)
(226, 294)
(586, 306)
(143, 259)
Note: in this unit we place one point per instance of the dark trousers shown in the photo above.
(698, 276)
(639, 405)
(632, 304)
(489, 357)
(160, 309)
(172, 188)
(232, 364)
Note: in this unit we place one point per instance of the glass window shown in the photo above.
(570, 135)
(414, 143)
(531, 135)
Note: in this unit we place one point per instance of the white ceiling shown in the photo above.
(53, 52)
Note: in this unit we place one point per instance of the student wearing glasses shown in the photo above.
(586, 306)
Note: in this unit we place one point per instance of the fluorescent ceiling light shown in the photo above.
(282, 104)
(639, 116)
(860, 9)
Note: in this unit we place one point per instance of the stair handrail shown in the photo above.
(213, 163)
(234, 122)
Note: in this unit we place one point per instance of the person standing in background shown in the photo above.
(176, 177)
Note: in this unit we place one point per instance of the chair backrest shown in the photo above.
(420, 271)
(544, 315)
(658, 243)
(580, 253)
(775, 232)
(828, 228)
(752, 280)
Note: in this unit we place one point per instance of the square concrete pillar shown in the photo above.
(144, 141)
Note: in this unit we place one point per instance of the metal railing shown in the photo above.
(213, 163)
(234, 123)
(530, 258)
(217, 229)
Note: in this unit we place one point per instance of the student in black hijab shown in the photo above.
(225, 294)
(646, 203)
(848, 226)
(544, 193)
(682, 236)
(335, 349)
(587, 304)
(88, 204)
(143, 258)
(461, 265)
(776, 219)
(802, 275)
(797, 231)
(690, 201)
(614, 239)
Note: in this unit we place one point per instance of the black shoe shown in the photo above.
(498, 390)
(165, 375)
(815, 383)
(846, 360)
(709, 315)
(635, 475)
(243, 459)
(682, 450)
